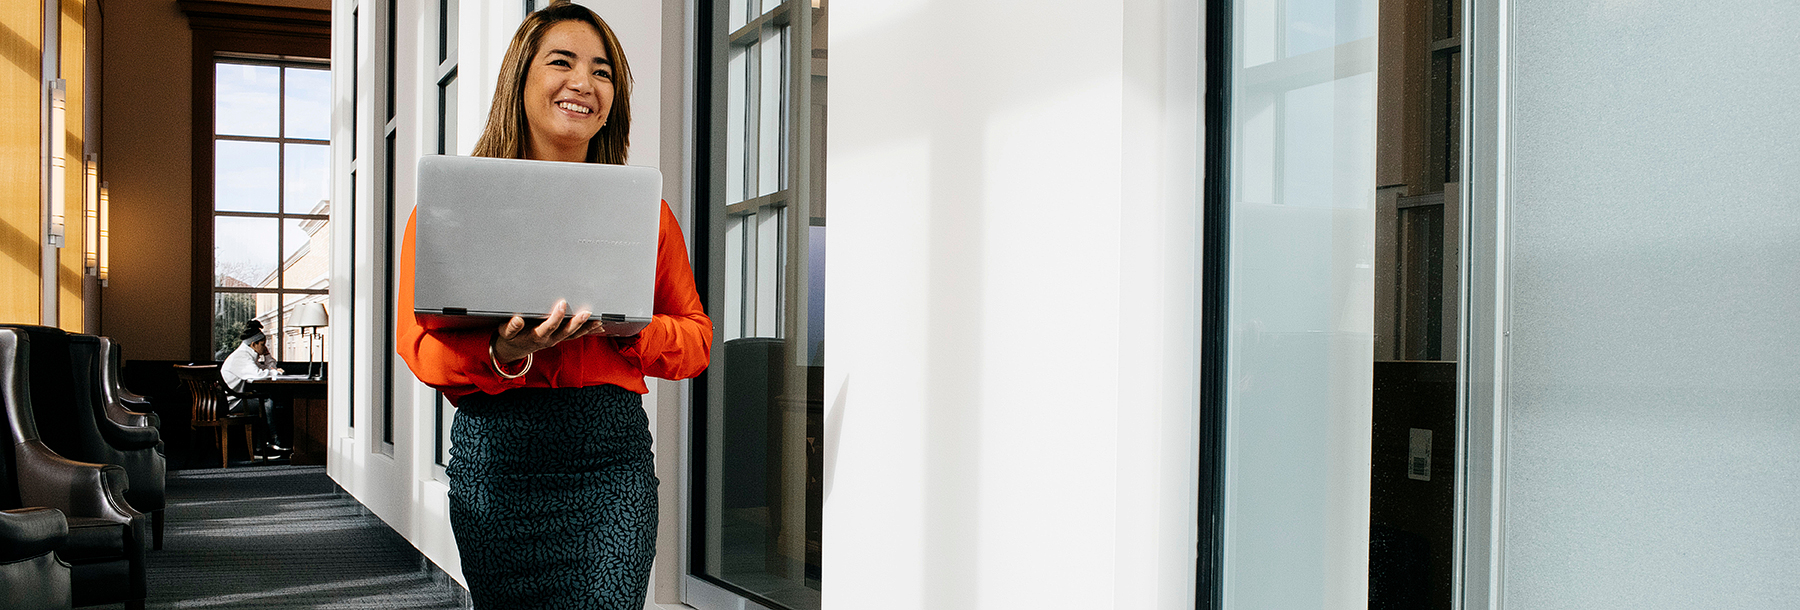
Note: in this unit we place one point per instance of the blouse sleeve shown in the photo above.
(678, 342)
(453, 361)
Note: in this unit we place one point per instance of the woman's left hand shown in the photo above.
(512, 341)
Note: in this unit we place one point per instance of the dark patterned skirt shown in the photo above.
(553, 498)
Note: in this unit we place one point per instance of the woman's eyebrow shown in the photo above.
(572, 55)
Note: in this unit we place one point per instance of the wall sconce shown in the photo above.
(91, 245)
(59, 163)
(105, 234)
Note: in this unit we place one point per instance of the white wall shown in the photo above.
(404, 488)
(1010, 391)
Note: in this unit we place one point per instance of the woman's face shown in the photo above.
(568, 92)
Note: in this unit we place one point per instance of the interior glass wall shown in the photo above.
(759, 445)
(1650, 305)
(1300, 302)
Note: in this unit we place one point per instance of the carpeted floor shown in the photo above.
(282, 537)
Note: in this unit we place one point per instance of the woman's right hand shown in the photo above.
(513, 341)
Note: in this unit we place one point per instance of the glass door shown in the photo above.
(759, 426)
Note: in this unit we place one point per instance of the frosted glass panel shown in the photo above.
(1301, 310)
(1653, 434)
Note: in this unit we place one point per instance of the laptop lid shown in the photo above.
(501, 237)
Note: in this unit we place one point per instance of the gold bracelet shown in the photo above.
(502, 372)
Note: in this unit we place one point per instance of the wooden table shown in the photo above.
(308, 407)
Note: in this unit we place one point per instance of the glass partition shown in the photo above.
(759, 432)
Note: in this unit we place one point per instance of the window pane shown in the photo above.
(244, 253)
(815, 296)
(247, 99)
(307, 178)
(739, 13)
(1301, 308)
(294, 339)
(447, 116)
(448, 11)
(306, 256)
(246, 179)
(230, 311)
(737, 277)
(736, 112)
(769, 111)
(308, 103)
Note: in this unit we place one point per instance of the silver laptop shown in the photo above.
(502, 237)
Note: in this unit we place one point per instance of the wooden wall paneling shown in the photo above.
(21, 39)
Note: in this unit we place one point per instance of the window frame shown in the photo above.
(283, 212)
(783, 217)
(223, 29)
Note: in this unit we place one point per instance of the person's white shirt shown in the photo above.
(241, 366)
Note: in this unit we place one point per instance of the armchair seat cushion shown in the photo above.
(91, 538)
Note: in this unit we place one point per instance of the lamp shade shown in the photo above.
(310, 315)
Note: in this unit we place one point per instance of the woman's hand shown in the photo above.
(513, 341)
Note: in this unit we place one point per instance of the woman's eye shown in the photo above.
(559, 62)
(603, 74)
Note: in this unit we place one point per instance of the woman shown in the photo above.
(552, 484)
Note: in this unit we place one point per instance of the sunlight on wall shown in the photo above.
(1050, 323)
(878, 293)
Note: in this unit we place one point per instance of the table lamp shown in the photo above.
(310, 316)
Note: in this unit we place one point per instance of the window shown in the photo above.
(446, 145)
(390, 227)
(758, 455)
(271, 200)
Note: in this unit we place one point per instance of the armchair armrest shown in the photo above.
(127, 438)
(29, 532)
(136, 414)
(132, 399)
(78, 489)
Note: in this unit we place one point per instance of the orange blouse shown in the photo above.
(676, 345)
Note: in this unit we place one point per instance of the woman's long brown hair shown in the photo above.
(507, 129)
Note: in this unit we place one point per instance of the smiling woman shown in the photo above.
(559, 401)
(530, 59)
(568, 92)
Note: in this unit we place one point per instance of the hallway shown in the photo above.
(284, 537)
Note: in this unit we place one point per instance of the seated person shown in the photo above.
(251, 360)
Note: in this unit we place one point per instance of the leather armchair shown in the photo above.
(106, 540)
(31, 577)
(137, 448)
(122, 406)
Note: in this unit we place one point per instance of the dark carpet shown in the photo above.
(284, 537)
